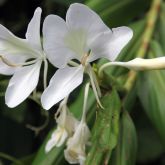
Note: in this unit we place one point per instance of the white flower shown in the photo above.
(75, 152)
(143, 64)
(14, 53)
(66, 125)
(83, 37)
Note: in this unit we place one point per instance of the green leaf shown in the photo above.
(26, 160)
(105, 131)
(161, 26)
(99, 5)
(151, 94)
(67, 2)
(149, 144)
(113, 14)
(156, 49)
(125, 152)
(151, 90)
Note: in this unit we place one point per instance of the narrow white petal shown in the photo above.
(80, 16)
(33, 30)
(23, 82)
(12, 45)
(62, 83)
(109, 45)
(54, 31)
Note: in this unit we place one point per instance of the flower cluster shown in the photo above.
(69, 129)
(82, 37)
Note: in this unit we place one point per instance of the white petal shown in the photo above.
(109, 45)
(85, 25)
(74, 158)
(75, 152)
(33, 30)
(7, 70)
(57, 139)
(81, 17)
(66, 119)
(61, 84)
(71, 123)
(54, 31)
(23, 82)
(76, 41)
(12, 45)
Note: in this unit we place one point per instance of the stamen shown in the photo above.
(84, 58)
(45, 73)
(7, 62)
(95, 81)
(94, 87)
(11, 64)
(85, 102)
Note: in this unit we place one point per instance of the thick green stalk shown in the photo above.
(147, 35)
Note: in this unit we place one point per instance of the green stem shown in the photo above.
(45, 113)
(11, 158)
(147, 35)
(43, 126)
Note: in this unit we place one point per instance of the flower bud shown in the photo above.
(75, 152)
(65, 128)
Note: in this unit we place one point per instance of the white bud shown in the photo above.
(143, 64)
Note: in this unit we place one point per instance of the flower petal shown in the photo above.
(63, 82)
(80, 16)
(109, 45)
(57, 139)
(33, 30)
(12, 45)
(23, 82)
(75, 151)
(7, 70)
(54, 31)
(66, 119)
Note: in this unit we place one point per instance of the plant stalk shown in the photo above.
(147, 35)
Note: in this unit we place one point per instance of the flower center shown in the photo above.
(84, 58)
